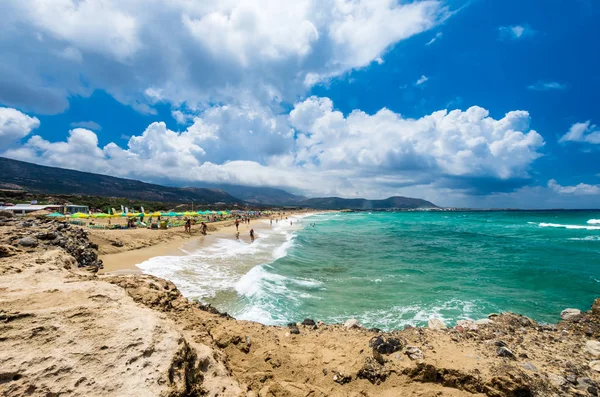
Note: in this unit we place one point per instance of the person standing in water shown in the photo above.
(251, 234)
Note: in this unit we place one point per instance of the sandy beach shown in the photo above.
(121, 250)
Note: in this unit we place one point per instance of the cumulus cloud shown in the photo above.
(15, 125)
(90, 125)
(579, 189)
(582, 132)
(515, 32)
(547, 86)
(314, 148)
(197, 53)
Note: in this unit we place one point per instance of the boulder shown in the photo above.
(592, 347)
(308, 322)
(352, 323)
(385, 345)
(436, 323)
(28, 242)
(483, 321)
(570, 314)
(595, 365)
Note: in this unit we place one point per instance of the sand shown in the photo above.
(135, 246)
(67, 331)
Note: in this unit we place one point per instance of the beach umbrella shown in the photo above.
(190, 213)
(169, 214)
(133, 214)
(100, 215)
(56, 215)
(155, 214)
(80, 215)
(200, 213)
(179, 214)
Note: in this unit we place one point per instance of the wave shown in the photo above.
(558, 225)
(586, 238)
(594, 222)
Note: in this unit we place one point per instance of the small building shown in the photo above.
(24, 209)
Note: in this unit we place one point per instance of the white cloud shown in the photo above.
(90, 125)
(515, 32)
(314, 148)
(582, 132)
(422, 80)
(547, 86)
(437, 36)
(15, 125)
(198, 53)
(580, 189)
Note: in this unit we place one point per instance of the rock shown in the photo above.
(570, 314)
(483, 321)
(28, 242)
(414, 353)
(117, 243)
(341, 378)
(385, 345)
(556, 380)
(505, 352)
(529, 366)
(466, 325)
(596, 307)
(592, 347)
(293, 329)
(595, 365)
(436, 323)
(373, 371)
(7, 250)
(308, 322)
(352, 323)
(46, 235)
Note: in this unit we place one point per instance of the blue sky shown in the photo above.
(466, 103)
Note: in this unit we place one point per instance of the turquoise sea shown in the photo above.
(390, 269)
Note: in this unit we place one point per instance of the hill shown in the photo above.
(258, 194)
(37, 178)
(396, 202)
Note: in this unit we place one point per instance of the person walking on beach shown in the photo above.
(237, 224)
(251, 234)
(237, 235)
(188, 226)
(204, 228)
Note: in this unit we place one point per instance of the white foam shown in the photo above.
(558, 225)
(594, 222)
(586, 238)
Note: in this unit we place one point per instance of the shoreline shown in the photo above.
(178, 244)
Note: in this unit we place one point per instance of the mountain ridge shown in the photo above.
(16, 174)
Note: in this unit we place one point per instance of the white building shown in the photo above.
(24, 209)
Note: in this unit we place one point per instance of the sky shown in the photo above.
(478, 103)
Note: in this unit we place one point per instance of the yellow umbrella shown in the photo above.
(80, 215)
(155, 214)
(189, 213)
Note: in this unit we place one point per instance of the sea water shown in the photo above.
(390, 269)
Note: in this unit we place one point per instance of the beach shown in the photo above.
(68, 330)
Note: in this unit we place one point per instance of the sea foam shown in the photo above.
(558, 225)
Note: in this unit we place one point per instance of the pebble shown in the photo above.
(595, 365)
(529, 366)
(352, 323)
(414, 353)
(436, 323)
(556, 380)
(505, 352)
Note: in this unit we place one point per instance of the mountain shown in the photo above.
(41, 179)
(258, 195)
(336, 203)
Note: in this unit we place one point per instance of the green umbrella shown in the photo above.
(55, 215)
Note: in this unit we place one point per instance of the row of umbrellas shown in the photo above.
(132, 214)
